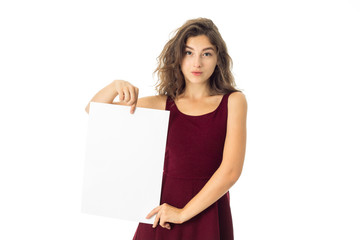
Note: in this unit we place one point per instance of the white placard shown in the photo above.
(124, 161)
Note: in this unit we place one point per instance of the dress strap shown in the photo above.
(169, 103)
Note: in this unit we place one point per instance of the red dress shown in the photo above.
(193, 153)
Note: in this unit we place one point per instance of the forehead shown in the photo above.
(200, 41)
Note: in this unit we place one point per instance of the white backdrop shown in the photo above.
(297, 62)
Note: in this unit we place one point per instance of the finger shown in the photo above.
(137, 97)
(163, 222)
(132, 109)
(133, 100)
(155, 210)
(163, 215)
(167, 225)
(132, 95)
(137, 93)
(127, 95)
(121, 95)
(156, 222)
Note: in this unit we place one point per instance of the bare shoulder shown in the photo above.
(237, 100)
(237, 105)
(154, 102)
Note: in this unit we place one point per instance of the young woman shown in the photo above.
(206, 138)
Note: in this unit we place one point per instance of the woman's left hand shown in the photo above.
(166, 214)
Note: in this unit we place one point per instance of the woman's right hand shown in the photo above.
(128, 93)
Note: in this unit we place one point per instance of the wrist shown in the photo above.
(184, 215)
(114, 91)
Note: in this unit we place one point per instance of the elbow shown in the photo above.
(87, 108)
(234, 177)
(231, 175)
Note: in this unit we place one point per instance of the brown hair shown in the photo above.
(171, 80)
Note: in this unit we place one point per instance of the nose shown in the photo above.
(197, 61)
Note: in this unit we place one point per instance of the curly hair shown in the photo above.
(171, 80)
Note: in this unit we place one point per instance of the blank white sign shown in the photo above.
(124, 161)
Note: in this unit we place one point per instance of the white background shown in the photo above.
(297, 62)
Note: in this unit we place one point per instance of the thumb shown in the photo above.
(167, 225)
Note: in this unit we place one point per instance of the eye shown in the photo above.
(187, 53)
(207, 54)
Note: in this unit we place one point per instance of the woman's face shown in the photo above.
(200, 59)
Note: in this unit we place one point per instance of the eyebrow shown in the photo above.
(208, 48)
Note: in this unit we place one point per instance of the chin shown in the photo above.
(196, 80)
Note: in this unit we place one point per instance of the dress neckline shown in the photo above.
(202, 115)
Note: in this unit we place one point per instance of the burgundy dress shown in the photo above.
(194, 151)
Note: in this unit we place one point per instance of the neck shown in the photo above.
(196, 91)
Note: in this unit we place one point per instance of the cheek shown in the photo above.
(213, 65)
(215, 62)
(184, 64)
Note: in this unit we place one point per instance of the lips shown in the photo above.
(197, 73)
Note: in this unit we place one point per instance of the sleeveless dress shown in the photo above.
(193, 153)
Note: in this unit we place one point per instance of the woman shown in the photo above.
(206, 138)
